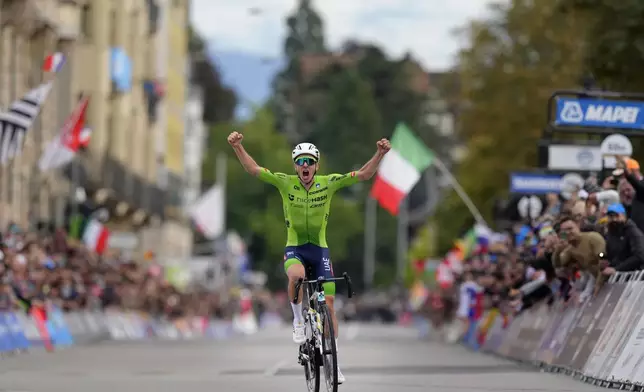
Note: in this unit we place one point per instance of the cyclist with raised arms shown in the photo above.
(307, 198)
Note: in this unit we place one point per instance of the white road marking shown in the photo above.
(272, 371)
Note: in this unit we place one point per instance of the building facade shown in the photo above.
(194, 145)
(129, 57)
(29, 31)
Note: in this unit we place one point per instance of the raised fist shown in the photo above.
(235, 139)
(383, 146)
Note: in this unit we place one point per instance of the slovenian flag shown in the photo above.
(53, 62)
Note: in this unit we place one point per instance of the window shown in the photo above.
(86, 21)
(113, 28)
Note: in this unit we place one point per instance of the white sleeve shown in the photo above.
(608, 197)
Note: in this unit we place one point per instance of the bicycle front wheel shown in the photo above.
(329, 350)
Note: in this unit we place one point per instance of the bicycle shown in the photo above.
(319, 350)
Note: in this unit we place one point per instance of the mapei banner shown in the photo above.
(599, 113)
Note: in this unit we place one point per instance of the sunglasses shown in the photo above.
(307, 160)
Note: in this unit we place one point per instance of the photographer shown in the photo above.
(624, 242)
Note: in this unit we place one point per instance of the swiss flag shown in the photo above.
(75, 135)
(72, 137)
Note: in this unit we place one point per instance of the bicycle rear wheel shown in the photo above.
(329, 350)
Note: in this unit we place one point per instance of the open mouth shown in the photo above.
(305, 173)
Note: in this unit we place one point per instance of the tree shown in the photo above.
(347, 121)
(219, 100)
(615, 50)
(513, 62)
(305, 35)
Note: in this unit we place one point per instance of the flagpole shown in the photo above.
(460, 192)
(370, 231)
(403, 239)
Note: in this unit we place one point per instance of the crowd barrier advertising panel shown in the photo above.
(602, 338)
(53, 328)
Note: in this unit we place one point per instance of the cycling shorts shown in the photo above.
(316, 259)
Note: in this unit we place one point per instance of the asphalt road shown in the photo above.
(373, 358)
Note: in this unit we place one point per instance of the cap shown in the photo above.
(632, 164)
(616, 208)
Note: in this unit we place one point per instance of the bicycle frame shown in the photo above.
(315, 288)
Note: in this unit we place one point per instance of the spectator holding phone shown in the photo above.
(631, 189)
(624, 242)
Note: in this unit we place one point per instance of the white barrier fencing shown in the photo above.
(52, 328)
(600, 342)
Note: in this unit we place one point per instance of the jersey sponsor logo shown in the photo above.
(280, 175)
(289, 254)
(317, 185)
(319, 198)
(337, 178)
(317, 205)
(297, 188)
(319, 191)
(291, 197)
(327, 263)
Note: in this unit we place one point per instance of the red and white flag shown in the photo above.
(96, 236)
(73, 137)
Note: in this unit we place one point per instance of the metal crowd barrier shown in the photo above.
(600, 342)
(52, 329)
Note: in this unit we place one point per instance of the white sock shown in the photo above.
(297, 313)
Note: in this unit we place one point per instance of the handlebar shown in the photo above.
(321, 281)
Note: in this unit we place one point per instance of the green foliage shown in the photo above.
(347, 119)
(615, 50)
(424, 245)
(512, 63)
(219, 100)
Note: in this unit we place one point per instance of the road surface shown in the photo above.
(373, 358)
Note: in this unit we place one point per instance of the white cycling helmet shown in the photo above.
(305, 149)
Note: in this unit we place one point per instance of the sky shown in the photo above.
(247, 45)
(421, 27)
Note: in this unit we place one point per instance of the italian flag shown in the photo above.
(95, 236)
(400, 169)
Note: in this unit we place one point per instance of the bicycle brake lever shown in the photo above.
(347, 279)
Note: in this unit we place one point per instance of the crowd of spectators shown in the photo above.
(39, 268)
(567, 254)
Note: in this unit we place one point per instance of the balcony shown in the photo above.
(128, 195)
(78, 174)
(154, 12)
